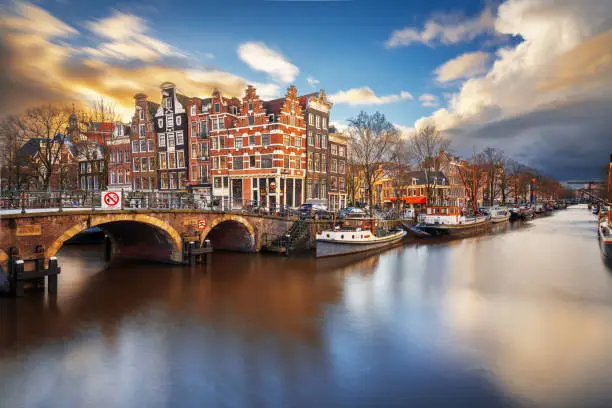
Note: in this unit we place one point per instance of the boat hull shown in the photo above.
(460, 230)
(605, 240)
(499, 218)
(335, 247)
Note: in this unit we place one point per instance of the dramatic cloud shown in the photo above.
(405, 131)
(365, 96)
(429, 101)
(464, 66)
(445, 29)
(312, 81)
(563, 63)
(40, 66)
(261, 58)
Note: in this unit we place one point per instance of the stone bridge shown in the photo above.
(147, 234)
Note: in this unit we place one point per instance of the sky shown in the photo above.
(530, 77)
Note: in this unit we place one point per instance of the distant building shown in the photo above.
(120, 158)
(337, 170)
(143, 149)
(53, 159)
(92, 166)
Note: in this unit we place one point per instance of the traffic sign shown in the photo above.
(202, 224)
(111, 200)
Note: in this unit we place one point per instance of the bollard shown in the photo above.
(191, 256)
(17, 282)
(52, 276)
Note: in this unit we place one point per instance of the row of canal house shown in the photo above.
(247, 152)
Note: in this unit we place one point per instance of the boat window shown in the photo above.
(327, 235)
(429, 211)
(341, 236)
(353, 237)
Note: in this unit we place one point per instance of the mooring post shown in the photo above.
(52, 276)
(17, 282)
(108, 249)
(208, 255)
(190, 255)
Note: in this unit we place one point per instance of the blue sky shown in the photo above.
(530, 77)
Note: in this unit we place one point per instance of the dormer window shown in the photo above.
(250, 106)
(168, 103)
(141, 114)
(178, 120)
(160, 123)
(217, 108)
(193, 110)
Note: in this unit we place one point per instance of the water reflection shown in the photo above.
(516, 318)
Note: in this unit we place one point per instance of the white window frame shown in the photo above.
(161, 139)
(160, 123)
(180, 140)
(141, 114)
(193, 110)
(178, 120)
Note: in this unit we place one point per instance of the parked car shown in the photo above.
(351, 212)
(313, 210)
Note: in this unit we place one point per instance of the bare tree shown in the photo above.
(16, 169)
(397, 168)
(45, 125)
(493, 167)
(353, 180)
(371, 138)
(423, 148)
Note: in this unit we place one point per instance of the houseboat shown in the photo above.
(357, 234)
(604, 231)
(450, 221)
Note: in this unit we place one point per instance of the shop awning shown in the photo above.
(415, 200)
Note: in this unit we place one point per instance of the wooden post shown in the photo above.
(208, 256)
(190, 255)
(17, 282)
(52, 276)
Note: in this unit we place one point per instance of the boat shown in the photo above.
(538, 208)
(499, 214)
(450, 221)
(604, 231)
(358, 234)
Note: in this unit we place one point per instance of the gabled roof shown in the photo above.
(422, 177)
(152, 107)
(183, 100)
(30, 148)
(274, 106)
(303, 100)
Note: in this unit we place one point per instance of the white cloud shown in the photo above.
(467, 65)
(342, 127)
(312, 81)
(429, 100)
(36, 21)
(260, 57)
(445, 29)
(405, 131)
(365, 96)
(127, 39)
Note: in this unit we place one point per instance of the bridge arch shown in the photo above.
(231, 232)
(156, 231)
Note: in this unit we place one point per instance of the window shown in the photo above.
(341, 166)
(149, 127)
(217, 124)
(317, 163)
(225, 182)
(136, 164)
(171, 160)
(194, 129)
(251, 120)
(286, 161)
(318, 141)
(161, 139)
(137, 183)
(181, 179)
(250, 106)
(292, 120)
(120, 177)
(150, 145)
(217, 182)
(143, 145)
(238, 142)
(334, 166)
(217, 108)
(126, 156)
(194, 150)
(142, 131)
(144, 165)
(317, 121)
(141, 114)
(324, 120)
(170, 140)
(113, 177)
(204, 172)
(151, 163)
(135, 146)
(341, 183)
(334, 183)
(203, 129)
(179, 120)
(323, 141)
(287, 140)
(309, 161)
(179, 138)
(252, 163)
(237, 163)
(194, 172)
(169, 122)
(168, 103)
(221, 123)
(297, 142)
(341, 151)
(251, 140)
(215, 143)
(162, 161)
(310, 140)
(265, 139)
(193, 110)
(160, 123)
(334, 149)
(120, 156)
(310, 119)
(324, 163)
(323, 188)
(203, 149)
(164, 180)
(221, 142)
(180, 159)
(266, 161)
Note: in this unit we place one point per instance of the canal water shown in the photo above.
(518, 318)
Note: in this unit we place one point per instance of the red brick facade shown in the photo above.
(143, 145)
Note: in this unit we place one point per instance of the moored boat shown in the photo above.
(449, 221)
(499, 214)
(356, 235)
(604, 231)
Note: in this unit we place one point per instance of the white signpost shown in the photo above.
(111, 200)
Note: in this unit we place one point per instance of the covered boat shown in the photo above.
(450, 221)
(604, 231)
(499, 214)
(356, 235)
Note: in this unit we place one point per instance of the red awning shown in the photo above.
(415, 200)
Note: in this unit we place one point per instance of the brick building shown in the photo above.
(171, 124)
(258, 156)
(337, 194)
(91, 166)
(143, 145)
(119, 158)
(316, 109)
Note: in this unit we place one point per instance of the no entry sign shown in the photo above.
(111, 200)
(202, 224)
